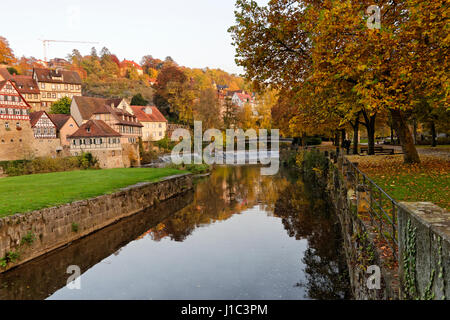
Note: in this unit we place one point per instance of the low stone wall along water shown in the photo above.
(26, 236)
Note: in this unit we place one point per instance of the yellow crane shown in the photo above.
(46, 43)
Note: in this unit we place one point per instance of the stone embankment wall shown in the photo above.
(26, 236)
(38, 279)
(423, 267)
(424, 248)
(359, 247)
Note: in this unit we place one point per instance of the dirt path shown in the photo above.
(443, 153)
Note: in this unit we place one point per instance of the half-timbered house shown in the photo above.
(42, 125)
(16, 136)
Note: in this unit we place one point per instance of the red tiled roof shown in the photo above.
(4, 74)
(154, 116)
(3, 83)
(35, 116)
(118, 115)
(88, 105)
(46, 75)
(26, 84)
(244, 97)
(94, 129)
(59, 119)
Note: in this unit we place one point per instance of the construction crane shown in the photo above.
(46, 42)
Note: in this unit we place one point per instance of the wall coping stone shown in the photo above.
(437, 219)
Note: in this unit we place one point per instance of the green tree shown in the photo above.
(12, 70)
(62, 106)
(138, 100)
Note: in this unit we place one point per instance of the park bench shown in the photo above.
(377, 149)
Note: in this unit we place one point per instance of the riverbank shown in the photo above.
(34, 192)
(24, 237)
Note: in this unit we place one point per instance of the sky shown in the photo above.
(193, 32)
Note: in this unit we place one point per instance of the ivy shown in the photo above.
(409, 262)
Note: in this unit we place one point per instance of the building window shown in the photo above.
(42, 85)
(7, 125)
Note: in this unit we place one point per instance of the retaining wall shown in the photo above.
(424, 249)
(359, 247)
(26, 236)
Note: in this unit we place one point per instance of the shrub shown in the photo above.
(314, 165)
(313, 141)
(75, 227)
(46, 165)
(28, 238)
(166, 144)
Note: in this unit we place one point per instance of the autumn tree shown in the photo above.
(353, 68)
(230, 114)
(62, 106)
(207, 109)
(6, 53)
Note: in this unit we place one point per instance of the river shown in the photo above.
(238, 235)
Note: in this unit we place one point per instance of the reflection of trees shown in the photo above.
(229, 190)
(307, 217)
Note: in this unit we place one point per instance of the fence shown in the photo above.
(381, 208)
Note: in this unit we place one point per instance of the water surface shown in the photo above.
(239, 235)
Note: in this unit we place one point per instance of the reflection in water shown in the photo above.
(240, 236)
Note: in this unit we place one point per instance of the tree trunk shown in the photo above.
(392, 135)
(355, 127)
(410, 154)
(343, 133)
(303, 139)
(433, 134)
(336, 139)
(355, 138)
(415, 130)
(371, 139)
(370, 126)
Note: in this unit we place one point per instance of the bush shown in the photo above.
(166, 144)
(314, 166)
(46, 165)
(313, 141)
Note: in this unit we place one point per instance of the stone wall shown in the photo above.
(359, 247)
(16, 143)
(26, 236)
(46, 148)
(424, 250)
(38, 279)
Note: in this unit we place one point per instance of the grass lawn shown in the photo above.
(33, 192)
(428, 181)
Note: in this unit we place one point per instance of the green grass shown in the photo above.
(417, 187)
(32, 192)
(424, 182)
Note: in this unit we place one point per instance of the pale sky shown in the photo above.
(193, 32)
